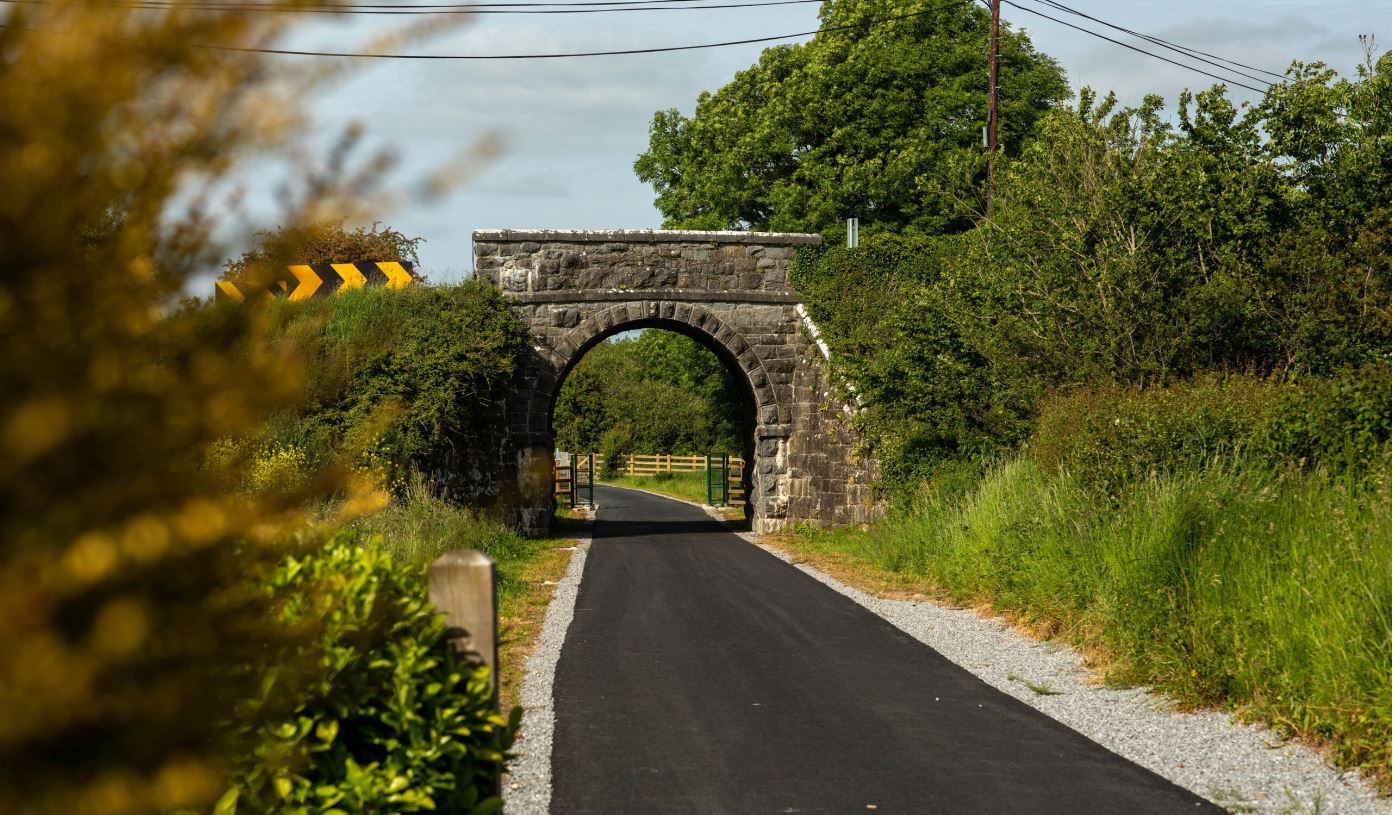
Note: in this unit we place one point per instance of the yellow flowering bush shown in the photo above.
(128, 571)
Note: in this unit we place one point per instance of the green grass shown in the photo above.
(687, 486)
(1233, 585)
(417, 529)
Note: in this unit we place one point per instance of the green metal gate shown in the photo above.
(718, 479)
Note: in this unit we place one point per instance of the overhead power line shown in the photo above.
(256, 4)
(1135, 48)
(412, 9)
(1193, 53)
(571, 55)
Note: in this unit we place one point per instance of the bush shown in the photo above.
(282, 469)
(400, 380)
(1124, 249)
(324, 243)
(1341, 423)
(1111, 437)
(383, 717)
(930, 400)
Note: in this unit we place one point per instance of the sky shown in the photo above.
(570, 129)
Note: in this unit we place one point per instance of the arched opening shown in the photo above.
(655, 386)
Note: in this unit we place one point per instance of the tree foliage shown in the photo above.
(877, 120)
(660, 392)
(399, 380)
(1126, 250)
(324, 243)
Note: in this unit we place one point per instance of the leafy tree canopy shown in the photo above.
(1123, 249)
(876, 120)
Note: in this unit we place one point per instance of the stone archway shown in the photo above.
(730, 291)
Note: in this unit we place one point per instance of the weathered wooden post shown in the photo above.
(463, 585)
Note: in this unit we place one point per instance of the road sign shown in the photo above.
(303, 281)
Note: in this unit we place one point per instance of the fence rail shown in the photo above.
(574, 474)
(650, 465)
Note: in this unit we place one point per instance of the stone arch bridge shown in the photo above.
(729, 291)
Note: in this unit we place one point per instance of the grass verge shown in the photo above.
(686, 486)
(1261, 591)
(418, 529)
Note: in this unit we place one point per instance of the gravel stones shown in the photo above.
(527, 788)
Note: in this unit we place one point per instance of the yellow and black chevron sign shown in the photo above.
(320, 279)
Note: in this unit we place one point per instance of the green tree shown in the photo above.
(660, 392)
(1126, 250)
(876, 119)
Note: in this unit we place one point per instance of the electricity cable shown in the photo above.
(403, 10)
(572, 55)
(1194, 53)
(1130, 47)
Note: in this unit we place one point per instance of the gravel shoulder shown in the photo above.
(1241, 767)
(527, 788)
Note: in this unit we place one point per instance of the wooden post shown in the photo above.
(464, 586)
(993, 109)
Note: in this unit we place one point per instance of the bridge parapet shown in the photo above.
(640, 263)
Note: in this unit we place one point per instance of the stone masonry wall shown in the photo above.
(558, 260)
(727, 289)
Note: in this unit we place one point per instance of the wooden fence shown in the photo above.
(652, 465)
(573, 475)
(641, 466)
(574, 478)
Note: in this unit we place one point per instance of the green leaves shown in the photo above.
(380, 716)
(401, 379)
(660, 392)
(882, 122)
(1125, 252)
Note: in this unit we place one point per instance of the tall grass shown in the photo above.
(1235, 584)
(417, 528)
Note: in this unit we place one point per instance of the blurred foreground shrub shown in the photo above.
(130, 576)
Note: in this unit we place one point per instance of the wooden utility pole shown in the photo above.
(993, 58)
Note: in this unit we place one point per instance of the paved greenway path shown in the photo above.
(703, 675)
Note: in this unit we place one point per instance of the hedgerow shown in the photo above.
(398, 379)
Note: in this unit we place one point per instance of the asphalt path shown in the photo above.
(703, 675)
